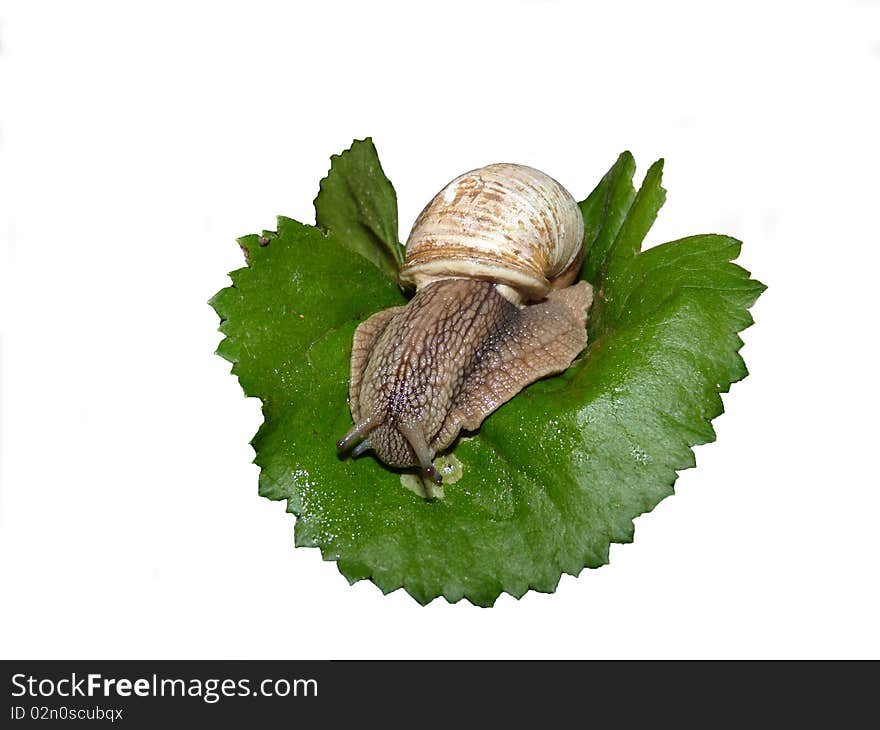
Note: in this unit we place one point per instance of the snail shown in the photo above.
(493, 258)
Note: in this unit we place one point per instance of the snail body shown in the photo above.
(492, 258)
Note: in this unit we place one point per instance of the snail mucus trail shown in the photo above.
(493, 258)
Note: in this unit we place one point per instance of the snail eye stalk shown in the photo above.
(419, 445)
(357, 432)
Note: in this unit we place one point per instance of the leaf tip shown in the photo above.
(656, 169)
(653, 180)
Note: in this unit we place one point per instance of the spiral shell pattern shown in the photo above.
(505, 223)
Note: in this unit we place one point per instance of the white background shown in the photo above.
(137, 140)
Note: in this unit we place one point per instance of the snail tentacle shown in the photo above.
(358, 431)
(419, 445)
(362, 447)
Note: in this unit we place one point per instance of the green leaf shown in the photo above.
(604, 211)
(555, 475)
(357, 202)
(639, 218)
(622, 237)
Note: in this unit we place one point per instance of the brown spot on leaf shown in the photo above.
(247, 254)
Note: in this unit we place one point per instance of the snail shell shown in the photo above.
(509, 224)
(491, 257)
